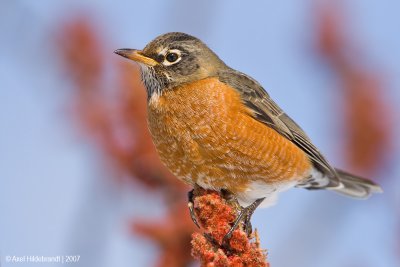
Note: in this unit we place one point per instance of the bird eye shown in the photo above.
(171, 57)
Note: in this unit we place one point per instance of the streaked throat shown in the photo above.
(150, 81)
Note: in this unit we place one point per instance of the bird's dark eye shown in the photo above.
(172, 57)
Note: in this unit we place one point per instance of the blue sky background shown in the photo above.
(57, 199)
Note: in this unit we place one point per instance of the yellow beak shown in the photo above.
(136, 55)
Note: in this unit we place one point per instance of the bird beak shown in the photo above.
(136, 55)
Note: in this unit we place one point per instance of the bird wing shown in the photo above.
(268, 112)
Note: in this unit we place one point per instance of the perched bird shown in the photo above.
(217, 128)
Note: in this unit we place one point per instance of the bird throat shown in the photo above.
(150, 81)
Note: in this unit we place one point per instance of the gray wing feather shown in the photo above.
(268, 112)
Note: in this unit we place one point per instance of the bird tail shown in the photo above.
(354, 186)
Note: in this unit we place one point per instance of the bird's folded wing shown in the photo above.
(268, 112)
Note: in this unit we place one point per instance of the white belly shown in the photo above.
(259, 190)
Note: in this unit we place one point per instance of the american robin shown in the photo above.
(217, 128)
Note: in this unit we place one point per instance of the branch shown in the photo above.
(215, 215)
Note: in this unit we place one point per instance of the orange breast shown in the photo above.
(203, 131)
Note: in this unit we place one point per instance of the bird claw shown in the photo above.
(247, 227)
(191, 208)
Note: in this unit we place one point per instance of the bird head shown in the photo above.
(173, 59)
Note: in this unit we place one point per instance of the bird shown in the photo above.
(217, 128)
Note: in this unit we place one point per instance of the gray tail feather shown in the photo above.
(354, 186)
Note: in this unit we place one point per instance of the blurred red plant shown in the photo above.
(111, 112)
(366, 118)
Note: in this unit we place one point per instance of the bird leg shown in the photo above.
(245, 215)
(191, 207)
(247, 224)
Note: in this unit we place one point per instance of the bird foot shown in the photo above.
(245, 217)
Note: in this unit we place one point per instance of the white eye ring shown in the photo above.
(171, 52)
